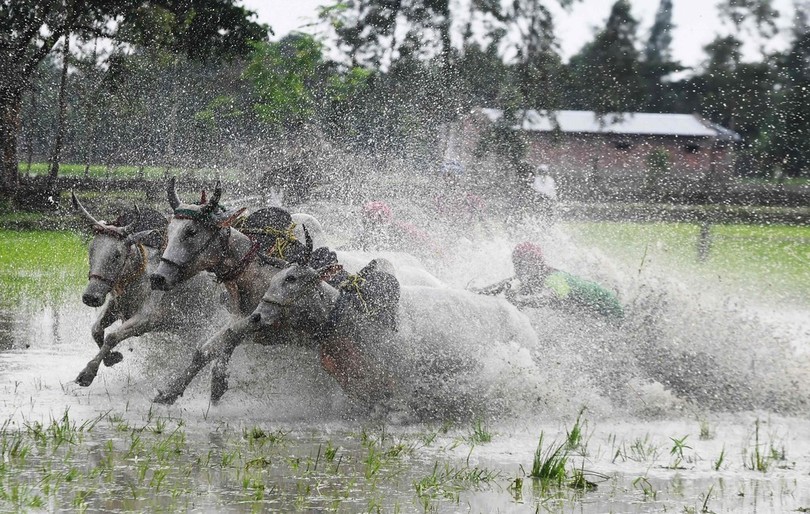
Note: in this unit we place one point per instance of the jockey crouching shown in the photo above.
(536, 284)
(365, 311)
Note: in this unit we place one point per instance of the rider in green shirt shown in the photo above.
(536, 284)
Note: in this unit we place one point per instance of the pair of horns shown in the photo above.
(123, 231)
(174, 200)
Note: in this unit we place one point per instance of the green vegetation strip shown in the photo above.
(120, 171)
(40, 265)
(111, 464)
(775, 258)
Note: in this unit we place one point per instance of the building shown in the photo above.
(619, 156)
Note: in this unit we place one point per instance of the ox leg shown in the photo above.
(219, 371)
(220, 344)
(105, 319)
(132, 327)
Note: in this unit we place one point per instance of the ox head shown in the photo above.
(112, 254)
(197, 238)
(296, 296)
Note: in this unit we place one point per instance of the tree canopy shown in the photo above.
(30, 29)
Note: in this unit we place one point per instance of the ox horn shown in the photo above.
(128, 228)
(171, 192)
(78, 205)
(308, 240)
(215, 196)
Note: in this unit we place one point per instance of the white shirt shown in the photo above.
(545, 185)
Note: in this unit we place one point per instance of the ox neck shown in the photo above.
(239, 254)
(137, 265)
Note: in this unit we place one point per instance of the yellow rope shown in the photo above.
(354, 282)
(284, 238)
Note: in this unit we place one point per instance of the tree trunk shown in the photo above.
(10, 106)
(29, 139)
(90, 109)
(60, 124)
(169, 156)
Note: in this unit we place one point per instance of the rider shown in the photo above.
(537, 284)
(382, 231)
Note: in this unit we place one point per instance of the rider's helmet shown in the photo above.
(528, 260)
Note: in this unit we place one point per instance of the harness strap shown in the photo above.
(240, 267)
(101, 278)
(125, 281)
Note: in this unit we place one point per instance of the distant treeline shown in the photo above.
(383, 78)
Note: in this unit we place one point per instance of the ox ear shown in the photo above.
(231, 218)
(171, 193)
(274, 261)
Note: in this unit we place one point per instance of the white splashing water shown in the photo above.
(684, 347)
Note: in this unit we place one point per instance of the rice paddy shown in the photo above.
(271, 448)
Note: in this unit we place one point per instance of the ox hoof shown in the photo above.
(113, 358)
(165, 398)
(85, 379)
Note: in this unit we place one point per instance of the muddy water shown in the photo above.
(693, 404)
(632, 459)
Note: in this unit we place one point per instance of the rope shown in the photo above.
(240, 266)
(352, 284)
(283, 238)
(125, 281)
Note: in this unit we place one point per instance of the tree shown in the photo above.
(658, 61)
(30, 29)
(286, 77)
(368, 31)
(788, 138)
(529, 34)
(607, 70)
(741, 13)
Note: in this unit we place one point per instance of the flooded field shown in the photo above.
(698, 402)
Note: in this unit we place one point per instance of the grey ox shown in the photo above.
(450, 353)
(121, 258)
(201, 238)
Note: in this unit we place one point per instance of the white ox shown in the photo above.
(118, 281)
(453, 354)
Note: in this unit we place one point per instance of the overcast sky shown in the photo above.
(696, 22)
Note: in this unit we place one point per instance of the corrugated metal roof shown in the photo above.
(637, 123)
